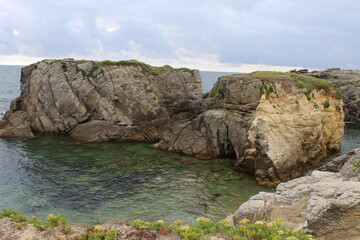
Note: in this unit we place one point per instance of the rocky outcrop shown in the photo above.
(102, 101)
(222, 130)
(276, 125)
(348, 81)
(326, 204)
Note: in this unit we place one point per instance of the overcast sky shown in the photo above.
(228, 35)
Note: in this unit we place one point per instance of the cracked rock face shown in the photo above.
(276, 136)
(326, 204)
(91, 101)
(222, 130)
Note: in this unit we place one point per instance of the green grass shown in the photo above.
(308, 82)
(55, 61)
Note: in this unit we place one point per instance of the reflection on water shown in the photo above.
(96, 182)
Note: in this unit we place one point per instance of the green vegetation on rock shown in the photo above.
(203, 228)
(326, 104)
(52, 220)
(308, 82)
(98, 233)
(356, 164)
(267, 89)
(216, 92)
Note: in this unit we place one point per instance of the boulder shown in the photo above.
(102, 101)
(325, 204)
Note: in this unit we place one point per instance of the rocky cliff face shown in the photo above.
(348, 81)
(102, 101)
(326, 204)
(276, 125)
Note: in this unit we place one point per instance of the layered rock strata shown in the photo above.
(326, 204)
(102, 101)
(348, 81)
(276, 125)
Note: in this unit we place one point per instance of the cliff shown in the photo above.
(277, 125)
(348, 82)
(102, 101)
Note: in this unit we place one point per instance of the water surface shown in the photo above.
(96, 182)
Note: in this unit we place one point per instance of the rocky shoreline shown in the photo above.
(275, 125)
(326, 203)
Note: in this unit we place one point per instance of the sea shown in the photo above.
(96, 182)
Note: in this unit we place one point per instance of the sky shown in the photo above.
(212, 35)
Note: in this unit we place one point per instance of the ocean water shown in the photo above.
(95, 182)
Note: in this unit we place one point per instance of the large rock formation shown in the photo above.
(348, 81)
(102, 101)
(326, 204)
(276, 125)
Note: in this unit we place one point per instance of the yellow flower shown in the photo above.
(244, 221)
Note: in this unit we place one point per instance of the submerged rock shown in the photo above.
(326, 204)
(102, 101)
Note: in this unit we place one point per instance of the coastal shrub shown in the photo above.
(52, 220)
(204, 227)
(326, 104)
(338, 94)
(267, 89)
(98, 233)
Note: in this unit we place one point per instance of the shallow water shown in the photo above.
(96, 182)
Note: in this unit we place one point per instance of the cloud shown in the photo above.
(318, 34)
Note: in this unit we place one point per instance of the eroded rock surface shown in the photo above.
(326, 204)
(348, 82)
(222, 130)
(273, 126)
(102, 101)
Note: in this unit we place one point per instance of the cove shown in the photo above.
(96, 182)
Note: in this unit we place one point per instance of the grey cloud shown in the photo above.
(316, 34)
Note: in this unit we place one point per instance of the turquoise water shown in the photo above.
(93, 183)
(96, 182)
